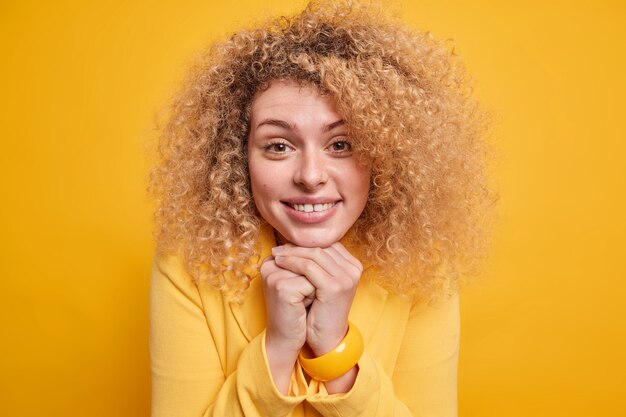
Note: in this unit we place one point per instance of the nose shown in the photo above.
(311, 171)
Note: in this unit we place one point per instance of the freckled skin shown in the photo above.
(307, 162)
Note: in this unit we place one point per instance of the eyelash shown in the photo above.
(344, 140)
(270, 147)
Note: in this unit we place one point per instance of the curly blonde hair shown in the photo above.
(407, 101)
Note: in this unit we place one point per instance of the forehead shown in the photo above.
(293, 102)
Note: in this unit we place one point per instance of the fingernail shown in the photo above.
(277, 249)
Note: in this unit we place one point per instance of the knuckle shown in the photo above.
(347, 285)
(283, 287)
(270, 281)
(308, 265)
(266, 267)
(280, 286)
(264, 272)
(357, 271)
(334, 287)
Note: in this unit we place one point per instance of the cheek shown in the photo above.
(264, 188)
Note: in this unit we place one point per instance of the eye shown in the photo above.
(277, 147)
(340, 146)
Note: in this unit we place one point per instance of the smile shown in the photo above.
(309, 208)
(310, 213)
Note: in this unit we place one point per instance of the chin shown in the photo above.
(319, 239)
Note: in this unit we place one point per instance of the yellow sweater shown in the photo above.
(208, 354)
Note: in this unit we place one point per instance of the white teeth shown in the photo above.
(308, 208)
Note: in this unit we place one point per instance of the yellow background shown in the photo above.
(543, 331)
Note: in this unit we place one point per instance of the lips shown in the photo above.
(309, 212)
(308, 208)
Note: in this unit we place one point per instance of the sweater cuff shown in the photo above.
(354, 402)
(260, 384)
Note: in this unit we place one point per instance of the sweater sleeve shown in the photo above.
(187, 375)
(424, 381)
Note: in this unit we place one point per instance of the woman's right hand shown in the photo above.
(287, 295)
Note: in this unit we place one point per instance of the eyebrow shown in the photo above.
(288, 126)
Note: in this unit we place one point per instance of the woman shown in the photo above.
(321, 184)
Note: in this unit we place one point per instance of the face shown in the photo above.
(306, 181)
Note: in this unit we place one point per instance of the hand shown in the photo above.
(335, 274)
(287, 294)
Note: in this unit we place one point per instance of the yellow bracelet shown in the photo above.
(336, 362)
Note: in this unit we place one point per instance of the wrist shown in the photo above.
(284, 342)
(280, 351)
(281, 362)
(327, 343)
(343, 383)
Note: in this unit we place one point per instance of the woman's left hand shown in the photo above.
(335, 274)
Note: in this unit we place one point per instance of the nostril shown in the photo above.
(311, 175)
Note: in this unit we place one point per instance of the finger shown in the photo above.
(347, 255)
(307, 267)
(281, 273)
(304, 286)
(349, 268)
(317, 255)
(295, 288)
(268, 266)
